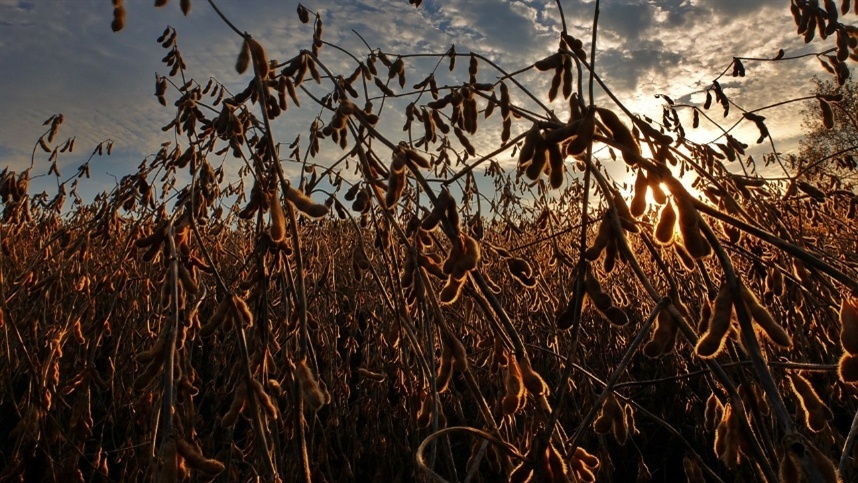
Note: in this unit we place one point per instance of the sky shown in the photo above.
(62, 57)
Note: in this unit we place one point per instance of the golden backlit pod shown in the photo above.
(775, 281)
(610, 413)
(156, 350)
(816, 413)
(445, 369)
(244, 313)
(304, 204)
(849, 324)
(584, 465)
(196, 460)
(713, 413)
(311, 390)
(522, 473)
(603, 235)
(796, 458)
(521, 271)
(663, 336)
(726, 444)
(666, 225)
(513, 400)
(763, 318)
(627, 221)
(264, 399)
(638, 206)
(239, 401)
(689, 227)
(424, 415)
(847, 369)
(460, 355)
(376, 376)
(533, 382)
(222, 313)
(186, 278)
(463, 257)
(451, 290)
(692, 470)
(712, 341)
(557, 466)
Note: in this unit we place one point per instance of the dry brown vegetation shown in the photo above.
(387, 318)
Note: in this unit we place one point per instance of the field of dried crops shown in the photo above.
(388, 319)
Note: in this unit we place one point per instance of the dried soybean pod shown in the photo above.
(195, 459)
(692, 470)
(451, 290)
(239, 401)
(260, 58)
(525, 155)
(553, 61)
(663, 336)
(555, 162)
(222, 313)
(243, 60)
(264, 399)
(664, 230)
(118, 18)
(395, 180)
(713, 412)
(638, 206)
(539, 160)
(689, 227)
(278, 220)
(764, 319)
(312, 392)
(775, 281)
(713, 340)
(460, 355)
(513, 401)
(608, 415)
(557, 464)
(816, 413)
(532, 380)
(603, 236)
(622, 135)
(583, 464)
(445, 369)
(424, 416)
(156, 350)
(847, 368)
(243, 310)
(849, 324)
(304, 204)
(795, 451)
(616, 316)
